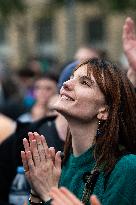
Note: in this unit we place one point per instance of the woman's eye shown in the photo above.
(85, 83)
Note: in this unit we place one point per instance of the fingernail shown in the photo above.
(61, 155)
(43, 136)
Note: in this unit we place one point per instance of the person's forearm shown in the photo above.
(131, 60)
(131, 74)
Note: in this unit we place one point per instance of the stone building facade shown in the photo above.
(47, 29)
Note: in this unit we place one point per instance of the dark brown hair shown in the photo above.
(119, 130)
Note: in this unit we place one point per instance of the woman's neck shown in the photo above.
(83, 136)
(61, 126)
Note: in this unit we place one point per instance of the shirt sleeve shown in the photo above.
(121, 186)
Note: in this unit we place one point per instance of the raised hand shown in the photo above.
(63, 196)
(42, 166)
(94, 200)
(129, 42)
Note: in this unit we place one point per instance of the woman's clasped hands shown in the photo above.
(41, 164)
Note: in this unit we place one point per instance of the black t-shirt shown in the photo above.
(51, 135)
(10, 157)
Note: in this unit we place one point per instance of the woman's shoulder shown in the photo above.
(124, 172)
(126, 165)
(121, 185)
(128, 160)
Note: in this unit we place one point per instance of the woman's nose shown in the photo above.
(68, 85)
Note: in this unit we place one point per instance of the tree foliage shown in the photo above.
(9, 7)
(120, 5)
(115, 5)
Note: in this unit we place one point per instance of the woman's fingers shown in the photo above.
(24, 161)
(63, 196)
(129, 30)
(31, 136)
(32, 148)
(52, 153)
(58, 196)
(39, 149)
(46, 149)
(70, 196)
(35, 153)
(40, 146)
(58, 160)
(94, 200)
(58, 201)
(26, 145)
(30, 161)
(126, 30)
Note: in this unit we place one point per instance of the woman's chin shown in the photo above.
(56, 106)
(60, 107)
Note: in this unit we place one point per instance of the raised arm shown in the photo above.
(129, 46)
(129, 42)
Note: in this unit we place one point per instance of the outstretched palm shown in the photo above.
(129, 41)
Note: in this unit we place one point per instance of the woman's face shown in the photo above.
(80, 97)
(44, 89)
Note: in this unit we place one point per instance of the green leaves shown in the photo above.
(115, 5)
(8, 7)
(121, 5)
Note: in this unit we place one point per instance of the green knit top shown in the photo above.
(120, 188)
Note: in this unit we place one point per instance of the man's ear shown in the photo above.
(103, 113)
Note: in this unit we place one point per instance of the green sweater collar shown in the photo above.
(83, 159)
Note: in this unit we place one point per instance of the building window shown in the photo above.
(44, 31)
(95, 30)
(2, 33)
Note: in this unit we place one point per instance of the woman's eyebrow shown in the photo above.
(86, 78)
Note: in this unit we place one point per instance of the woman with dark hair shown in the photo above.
(99, 157)
(11, 95)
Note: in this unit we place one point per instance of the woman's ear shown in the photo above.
(103, 113)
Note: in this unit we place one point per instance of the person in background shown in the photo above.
(27, 78)
(54, 127)
(98, 102)
(81, 54)
(34, 65)
(66, 73)
(44, 88)
(11, 95)
(86, 52)
(7, 127)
